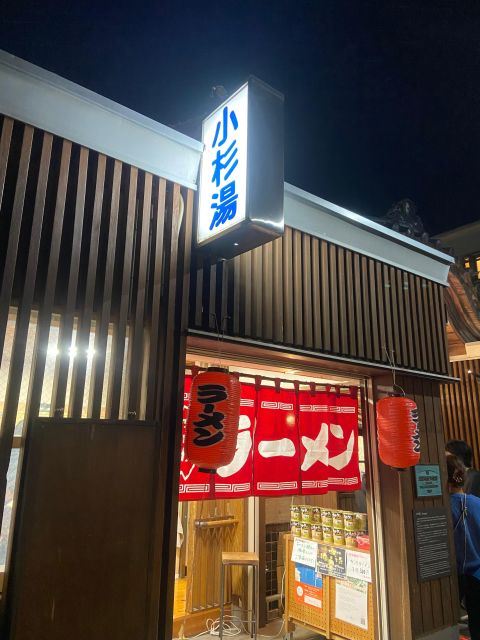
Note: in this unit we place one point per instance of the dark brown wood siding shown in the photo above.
(304, 292)
(427, 606)
(461, 406)
(99, 251)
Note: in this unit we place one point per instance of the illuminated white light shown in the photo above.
(72, 352)
(90, 352)
(235, 244)
(214, 128)
(469, 371)
(52, 352)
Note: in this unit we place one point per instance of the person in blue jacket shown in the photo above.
(466, 533)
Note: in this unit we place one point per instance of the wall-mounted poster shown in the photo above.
(428, 480)
(351, 602)
(331, 561)
(308, 586)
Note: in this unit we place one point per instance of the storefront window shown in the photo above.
(208, 527)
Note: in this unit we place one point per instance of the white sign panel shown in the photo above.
(305, 552)
(351, 602)
(359, 565)
(223, 172)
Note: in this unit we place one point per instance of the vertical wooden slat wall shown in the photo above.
(419, 607)
(104, 248)
(335, 301)
(461, 406)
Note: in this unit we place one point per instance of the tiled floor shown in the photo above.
(273, 631)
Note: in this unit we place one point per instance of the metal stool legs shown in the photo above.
(240, 559)
(222, 600)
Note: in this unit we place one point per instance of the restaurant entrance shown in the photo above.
(336, 524)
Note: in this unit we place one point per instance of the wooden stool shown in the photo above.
(245, 559)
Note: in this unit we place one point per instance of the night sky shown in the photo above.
(382, 98)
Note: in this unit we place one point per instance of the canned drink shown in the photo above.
(337, 518)
(361, 522)
(295, 528)
(306, 530)
(317, 532)
(338, 536)
(306, 512)
(349, 521)
(316, 515)
(327, 517)
(327, 533)
(351, 538)
(295, 514)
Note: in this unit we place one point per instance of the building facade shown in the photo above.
(103, 296)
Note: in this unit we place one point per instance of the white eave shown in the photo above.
(340, 226)
(47, 101)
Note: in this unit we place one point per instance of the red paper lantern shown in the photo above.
(398, 436)
(212, 423)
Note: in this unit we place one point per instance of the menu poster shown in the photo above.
(359, 565)
(331, 561)
(305, 552)
(432, 545)
(308, 586)
(351, 602)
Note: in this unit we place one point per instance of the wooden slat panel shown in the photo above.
(14, 233)
(267, 280)
(17, 361)
(352, 325)
(297, 289)
(429, 329)
(324, 281)
(83, 333)
(66, 322)
(382, 322)
(277, 290)
(334, 285)
(402, 319)
(421, 321)
(408, 320)
(156, 319)
(387, 298)
(467, 394)
(46, 309)
(136, 363)
(396, 327)
(236, 295)
(440, 327)
(376, 339)
(257, 293)
(415, 321)
(246, 293)
(7, 128)
(101, 334)
(333, 301)
(119, 332)
(367, 309)
(359, 311)
(287, 287)
(342, 301)
(316, 292)
(307, 291)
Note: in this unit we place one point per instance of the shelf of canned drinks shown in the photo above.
(344, 528)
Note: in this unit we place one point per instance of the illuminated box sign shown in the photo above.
(241, 176)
